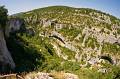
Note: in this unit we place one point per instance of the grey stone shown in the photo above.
(13, 25)
(5, 56)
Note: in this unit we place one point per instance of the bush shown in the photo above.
(26, 57)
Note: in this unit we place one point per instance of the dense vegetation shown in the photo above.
(3, 16)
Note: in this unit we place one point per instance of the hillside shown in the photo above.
(82, 41)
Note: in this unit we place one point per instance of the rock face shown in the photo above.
(13, 25)
(6, 61)
(101, 37)
(5, 57)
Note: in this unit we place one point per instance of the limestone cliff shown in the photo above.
(6, 60)
(5, 56)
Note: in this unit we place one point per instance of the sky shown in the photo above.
(109, 6)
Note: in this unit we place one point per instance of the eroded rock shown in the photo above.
(5, 56)
(13, 25)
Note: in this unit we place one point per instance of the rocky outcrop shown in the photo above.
(38, 75)
(6, 61)
(48, 22)
(52, 75)
(59, 52)
(108, 58)
(13, 25)
(5, 57)
(100, 36)
(58, 36)
(30, 31)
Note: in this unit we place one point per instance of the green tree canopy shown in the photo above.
(3, 16)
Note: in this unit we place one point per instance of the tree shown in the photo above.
(3, 16)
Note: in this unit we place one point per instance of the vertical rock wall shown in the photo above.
(5, 57)
(6, 61)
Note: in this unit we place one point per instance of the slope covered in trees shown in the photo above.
(82, 41)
